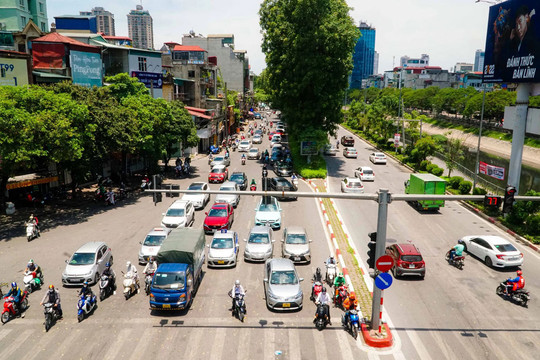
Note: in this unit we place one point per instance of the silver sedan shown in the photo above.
(220, 160)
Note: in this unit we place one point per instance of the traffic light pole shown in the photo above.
(383, 200)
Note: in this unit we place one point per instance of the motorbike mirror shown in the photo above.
(189, 282)
(265, 280)
(245, 240)
(310, 240)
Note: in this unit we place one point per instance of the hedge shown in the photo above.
(437, 171)
(465, 187)
(455, 181)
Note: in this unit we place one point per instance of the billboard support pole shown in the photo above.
(477, 164)
(518, 135)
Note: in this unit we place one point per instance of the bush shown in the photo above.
(437, 171)
(465, 187)
(430, 167)
(479, 191)
(424, 164)
(533, 225)
(455, 181)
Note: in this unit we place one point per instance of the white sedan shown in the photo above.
(377, 158)
(365, 173)
(350, 152)
(244, 145)
(352, 185)
(198, 200)
(495, 251)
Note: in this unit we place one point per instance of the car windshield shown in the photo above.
(355, 184)
(217, 170)
(153, 240)
(267, 207)
(245, 142)
(222, 243)
(195, 187)
(82, 259)
(505, 247)
(284, 166)
(411, 258)
(237, 177)
(221, 212)
(296, 239)
(285, 277)
(227, 188)
(283, 182)
(175, 212)
(169, 280)
(253, 151)
(256, 238)
(379, 155)
(351, 149)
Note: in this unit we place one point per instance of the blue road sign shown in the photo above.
(383, 281)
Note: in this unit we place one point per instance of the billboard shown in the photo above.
(86, 68)
(149, 79)
(513, 42)
(496, 172)
(13, 72)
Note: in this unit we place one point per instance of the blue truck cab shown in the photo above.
(179, 271)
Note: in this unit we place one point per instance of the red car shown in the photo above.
(218, 174)
(407, 260)
(271, 134)
(220, 216)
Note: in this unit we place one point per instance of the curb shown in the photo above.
(376, 342)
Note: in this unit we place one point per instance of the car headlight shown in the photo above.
(271, 294)
(269, 251)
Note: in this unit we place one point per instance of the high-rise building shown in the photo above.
(479, 60)
(141, 28)
(376, 63)
(15, 14)
(415, 62)
(104, 19)
(363, 56)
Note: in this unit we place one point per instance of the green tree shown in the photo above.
(454, 152)
(122, 85)
(308, 46)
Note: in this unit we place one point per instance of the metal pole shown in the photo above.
(383, 200)
(477, 164)
(518, 135)
(401, 108)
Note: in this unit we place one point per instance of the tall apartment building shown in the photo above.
(15, 14)
(423, 60)
(463, 67)
(363, 56)
(376, 63)
(104, 19)
(479, 60)
(141, 28)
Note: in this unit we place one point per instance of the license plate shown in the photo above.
(411, 266)
(221, 262)
(297, 258)
(286, 304)
(166, 306)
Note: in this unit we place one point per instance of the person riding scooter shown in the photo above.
(86, 291)
(110, 273)
(52, 297)
(324, 299)
(237, 289)
(131, 272)
(349, 304)
(516, 283)
(32, 266)
(17, 294)
(243, 159)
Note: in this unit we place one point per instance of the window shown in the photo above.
(142, 63)
(41, 8)
(23, 20)
(43, 27)
(191, 73)
(21, 3)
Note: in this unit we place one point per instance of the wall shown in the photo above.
(153, 65)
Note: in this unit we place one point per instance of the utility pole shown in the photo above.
(477, 165)
(518, 135)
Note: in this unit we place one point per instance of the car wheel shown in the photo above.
(488, 262)
(394, 272)
(96, 278)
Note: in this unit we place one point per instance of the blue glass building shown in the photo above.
(363, 56)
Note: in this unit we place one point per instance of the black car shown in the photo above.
(282, 184)
(347, 141)
(240, 178)
(277, 156)
(283, 169)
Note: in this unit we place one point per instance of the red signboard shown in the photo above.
(384, 263)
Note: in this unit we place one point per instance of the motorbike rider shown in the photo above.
(317, 277)
(338, 282)
(17, 294)
(324, 299)
(32, 266)
(52, 297)
(110, 273)
(457, 250)
(237, 289)
(86, 291)
(151, 266)
(350, 303)
(34, 220)
(131, 272)
(330, 260)
(110, 196)
(243, 158)
(516, 283)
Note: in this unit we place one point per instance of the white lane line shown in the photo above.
(244, 342)
(372, 355)
(219, 343)
(65, 345)
(4, 333)
(41, 345)
(269, 344)
(294, 345)
(320, 345)
(344, 344)
(444, 348)
(143, 342)
(119, 340)
(193, 349)
(418, 345)
(15, 344)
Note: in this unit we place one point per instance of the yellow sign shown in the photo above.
(27, 183)
(13, 72)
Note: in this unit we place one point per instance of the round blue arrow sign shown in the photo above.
(383, 281)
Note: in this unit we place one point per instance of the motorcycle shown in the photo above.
(341, 294)
(243, 161)
(85, 306)
(31, 231)
(10, 309)
(317, 288)
(109, 198)
(130, 285)
(32, 282)
(457, 261)
(146, 184)
(330, 273)
(233, 146)
(351, 324)
(239, 308)
(321, 319)
(51, 315)
(107, 286)
(294, 180)
(148, 282)
(520, 296)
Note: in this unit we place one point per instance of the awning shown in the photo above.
(198, 114)
(203, 133)
(49, 75)
(27, 183)
(179, 81)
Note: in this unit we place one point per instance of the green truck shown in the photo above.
(426, 184)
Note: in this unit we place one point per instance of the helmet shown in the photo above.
(519, 272)
(85, 283)
(14, 284)
(31, 261)
(237, 282)
(341, 274)
(324, 289)
(51, 287)
(128, 263)
(331, 256)
(352, 296)
(108, 264)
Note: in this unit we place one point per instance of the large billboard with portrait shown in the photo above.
(513, 42)
(86, 68)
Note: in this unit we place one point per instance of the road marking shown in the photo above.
(41, 345)
(344, 344)
(219, 343)
(294, 345)
(15, 344)
(269, 344)
(192, 350)
(320, 353)
(244, 342)
(445, 349)
(4, 333)
(116, 346)
(65, 345)
(142, 344)
(418, 345)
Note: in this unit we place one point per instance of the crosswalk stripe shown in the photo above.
(418, 345)
(4, 333)
(294, 345)
(321, 352)
(344, 344)
(66, 344)
(219, 343)
(116, 346)
(445, 349)
(143, 344)
(244, 342)
(193, 348)
(15, 344)
(269, 344)
(41, 345)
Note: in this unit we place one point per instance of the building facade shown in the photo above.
(363, 56)
(76, 24)
(423, 60)
(463, 67)
(104, 20)
(479, 60)
(418, 77)
(16, 69)
(15, 14)
(141, 28)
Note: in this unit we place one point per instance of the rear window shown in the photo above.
(355, 184)
(505, 247)
(367, 171)
(411, 258)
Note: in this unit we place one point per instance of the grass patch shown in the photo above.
(315, 169)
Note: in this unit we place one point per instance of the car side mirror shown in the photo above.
(189, 282)
(140, 242)
(206, 213)
(67, 261)
(301, 279)
(265, 280)
(208, 245)
(162, 214)
(282, 240)
(273, 240)
(245, 240)
(280, 210)
(310, 240)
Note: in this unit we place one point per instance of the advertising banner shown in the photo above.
(86, 68)
(13, 72)
(149, 79)
(513, 42)
(308, 148)
(491, 170)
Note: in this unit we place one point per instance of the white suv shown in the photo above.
(180, 214)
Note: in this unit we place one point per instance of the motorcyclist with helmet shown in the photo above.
(87, 292)
(457, 250)
(52, 297)
(108, 271)
(17, 295)
(131, 272)
(338, 282)
(516, 283)
(324, 299)
(32, 266)
(349, 304)
(151, 266)
(237, 289)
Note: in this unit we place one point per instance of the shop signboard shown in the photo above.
(86, 68)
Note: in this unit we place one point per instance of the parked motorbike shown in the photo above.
(520, 296)
(32, 282)
(85, 306)
(107, 286)
(148, 282)
(146, 184)
(351, 322)
(341, 294)
(10, 309)
(457, 261)
(31, 231)
(321, 319)
(130, 285)
(330, 273)
(51, 315)
(239, 308)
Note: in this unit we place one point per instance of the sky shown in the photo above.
(449, 31)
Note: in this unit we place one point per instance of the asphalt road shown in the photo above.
(451, 314)
(127, 329)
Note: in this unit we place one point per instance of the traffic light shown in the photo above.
(492, 200)
(372, 244)
(509, 198)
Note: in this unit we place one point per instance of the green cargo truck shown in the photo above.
(427, 184)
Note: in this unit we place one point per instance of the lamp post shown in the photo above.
(477, 164)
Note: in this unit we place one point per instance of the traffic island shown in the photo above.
(377, 339)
